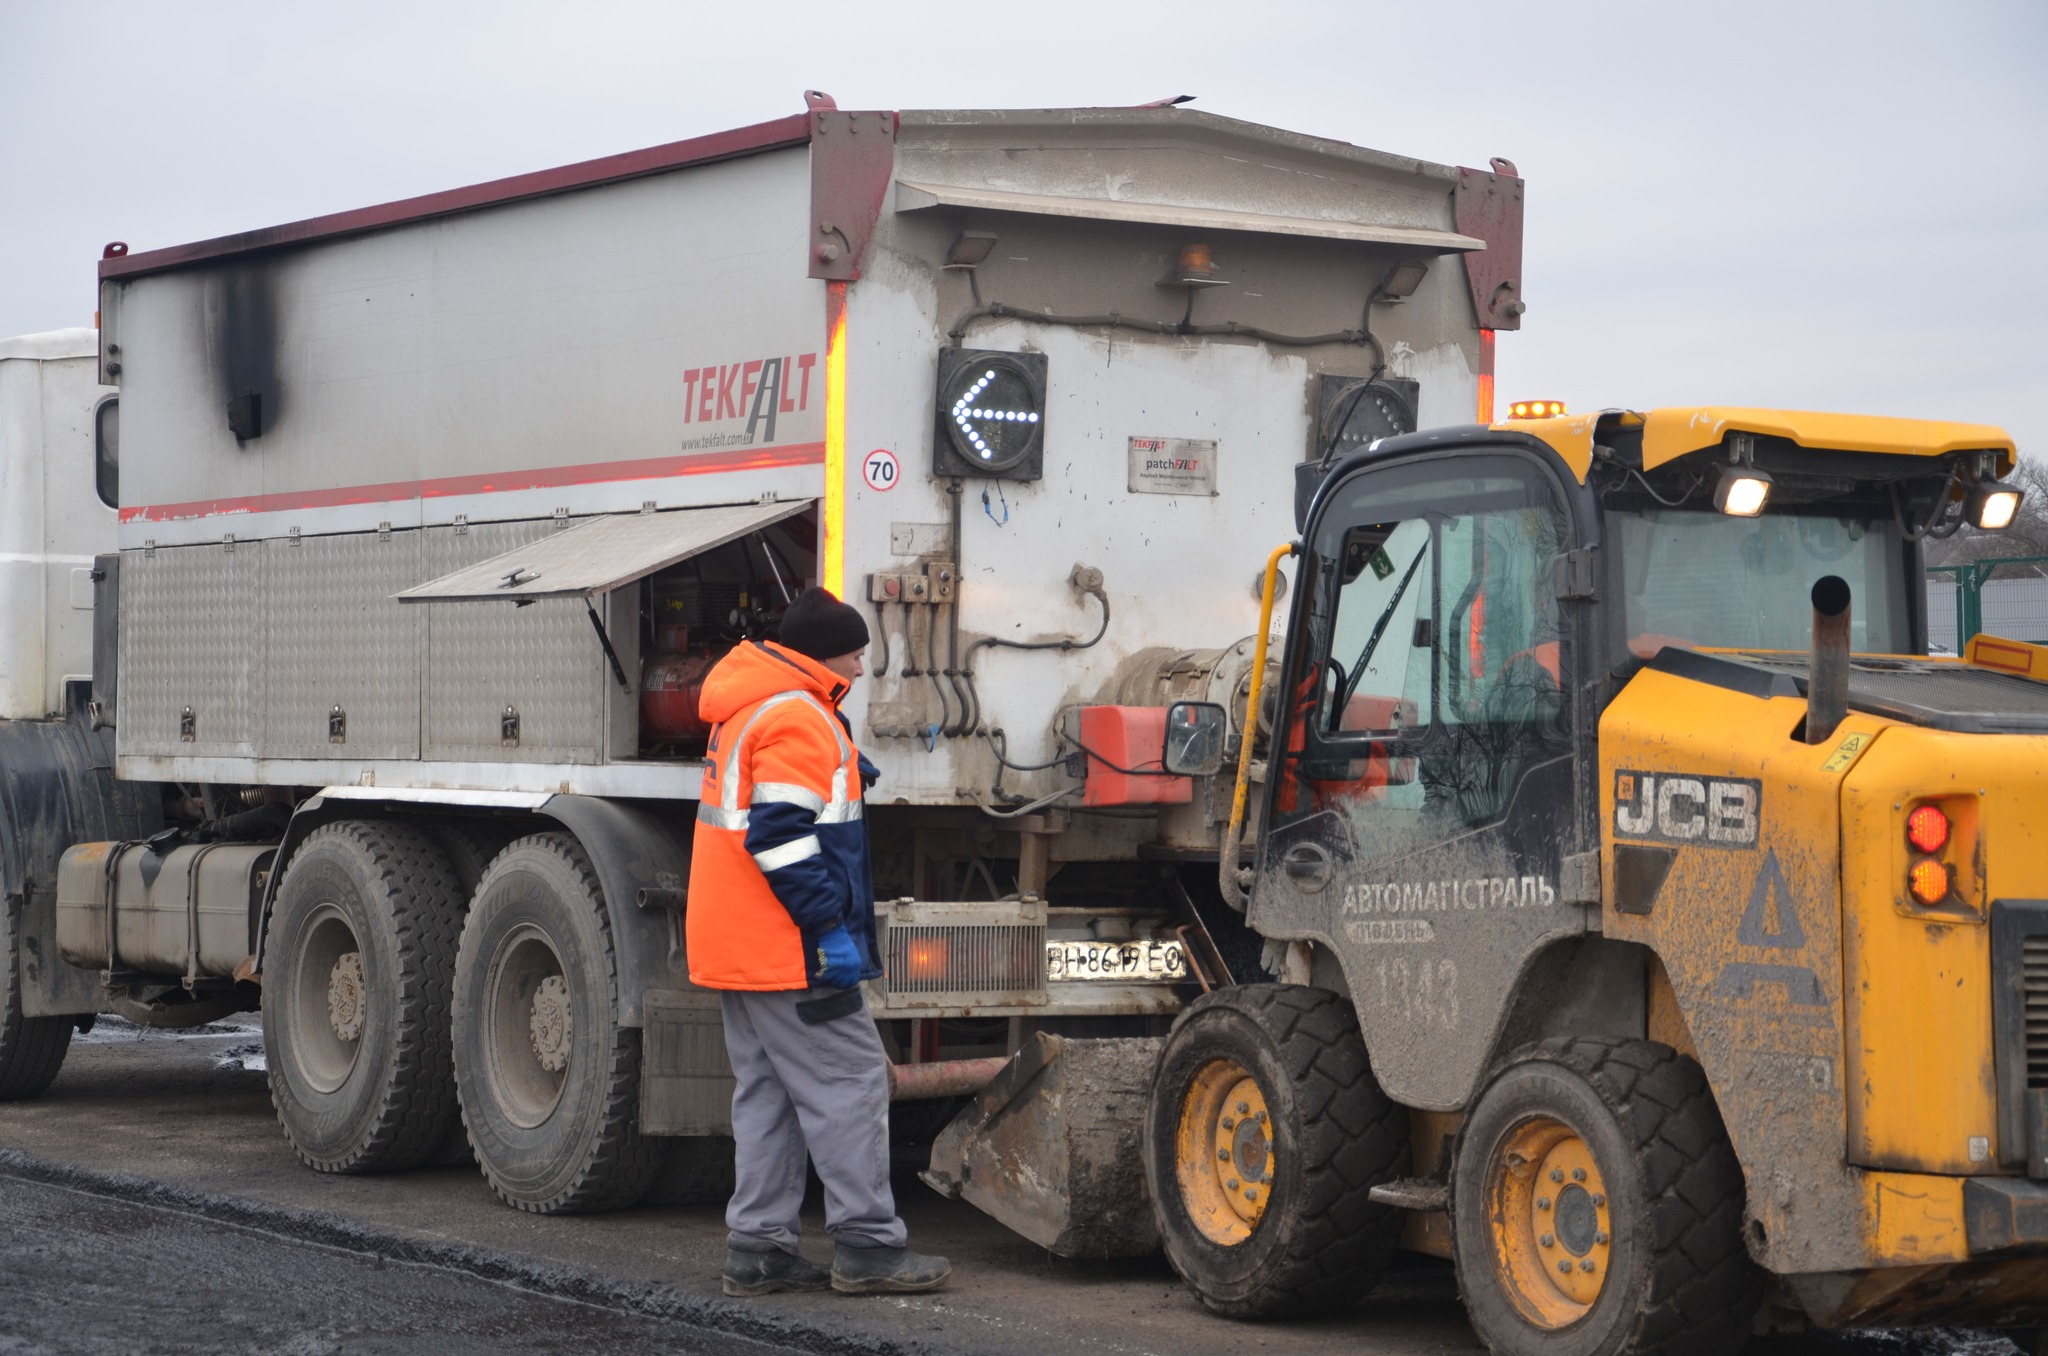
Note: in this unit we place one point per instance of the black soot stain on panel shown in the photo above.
(245, 342)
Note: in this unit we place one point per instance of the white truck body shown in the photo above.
(445, 379)
(52, 521)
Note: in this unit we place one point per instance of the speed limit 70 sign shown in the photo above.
(880, 470)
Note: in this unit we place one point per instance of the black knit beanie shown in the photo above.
(819, 625)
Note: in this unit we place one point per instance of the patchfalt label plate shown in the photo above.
(1686, 808)
(1173, 466)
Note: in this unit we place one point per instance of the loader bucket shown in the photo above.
(1051, 1147)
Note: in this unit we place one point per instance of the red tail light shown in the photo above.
(1927, 829)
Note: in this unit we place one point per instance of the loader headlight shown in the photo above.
(1742, 491)
(1992, 506)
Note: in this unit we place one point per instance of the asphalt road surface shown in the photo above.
(149, 1203)
(85, 1272)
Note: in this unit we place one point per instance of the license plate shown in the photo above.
(1127, 961)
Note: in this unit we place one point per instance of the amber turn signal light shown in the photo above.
(927, 958)
(1927, 829)
(1928, 881)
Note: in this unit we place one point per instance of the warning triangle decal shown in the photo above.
(1772, 919)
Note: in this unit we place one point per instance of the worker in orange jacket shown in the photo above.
(781, 920)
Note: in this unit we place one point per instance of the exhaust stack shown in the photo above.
(1827, 674)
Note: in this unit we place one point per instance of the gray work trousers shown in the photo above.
(824, 1089)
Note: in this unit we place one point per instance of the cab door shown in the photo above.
(1419, 800)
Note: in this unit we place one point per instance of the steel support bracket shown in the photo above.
(853, 157)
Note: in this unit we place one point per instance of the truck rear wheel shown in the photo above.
(1264, 1136)
(549, 1081)
(32, 1049)
(1597, 1207)
(360, 955)
(470, 845)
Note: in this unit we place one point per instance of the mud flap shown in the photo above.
(1051, 1147)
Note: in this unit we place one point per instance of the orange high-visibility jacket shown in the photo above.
(780, 854)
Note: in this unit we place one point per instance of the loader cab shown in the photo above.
(1432, 747)
(1430, 681)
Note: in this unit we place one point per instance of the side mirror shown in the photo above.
(1194, 739)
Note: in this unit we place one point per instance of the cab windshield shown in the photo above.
(1704, 578)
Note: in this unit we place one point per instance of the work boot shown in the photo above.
(766, 1269)
(874, 1271)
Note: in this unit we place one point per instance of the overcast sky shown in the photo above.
(1832, 206)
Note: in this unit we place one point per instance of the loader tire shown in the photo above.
(361, 956)
(32, 1049)
(1264, 1136)
(549, 1081)
(1596, 1207)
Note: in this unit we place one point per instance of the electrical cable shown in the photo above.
(1667, 503)
(1933, 517)
(967, 668)
(953, 731)
(1028, 807)
(882, 634)
(1001, 741)
(931, 646)
(997, 310)
(955, 487)
(1159, 771)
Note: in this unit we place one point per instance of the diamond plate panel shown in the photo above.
(542, 659)
(189, 638)
(336, 638)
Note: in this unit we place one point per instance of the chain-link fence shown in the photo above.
(2003, 597)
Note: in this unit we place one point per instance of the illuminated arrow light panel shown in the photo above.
(991, 415)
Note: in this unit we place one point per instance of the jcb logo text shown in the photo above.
(1672, 807)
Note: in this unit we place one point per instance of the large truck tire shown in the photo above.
(1264, 1137)
(548, 1079)
(470, 846)
(359, 961)
(32, 1049)
(1596, 1207)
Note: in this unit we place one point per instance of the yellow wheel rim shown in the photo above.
(1548, 1211)
(1223, 1152)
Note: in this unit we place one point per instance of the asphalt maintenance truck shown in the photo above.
(361, 681)
(1593, 884)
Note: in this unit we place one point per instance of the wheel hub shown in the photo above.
(345, 996)
(1225, 1151)
(1551, 1221)
(551, 1024)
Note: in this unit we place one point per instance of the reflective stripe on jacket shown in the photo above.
(780, 853)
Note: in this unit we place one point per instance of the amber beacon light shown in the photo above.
(1536, 409)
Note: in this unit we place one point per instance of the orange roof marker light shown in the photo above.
(1536, 409)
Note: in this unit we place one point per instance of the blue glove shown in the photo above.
(838, 960)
